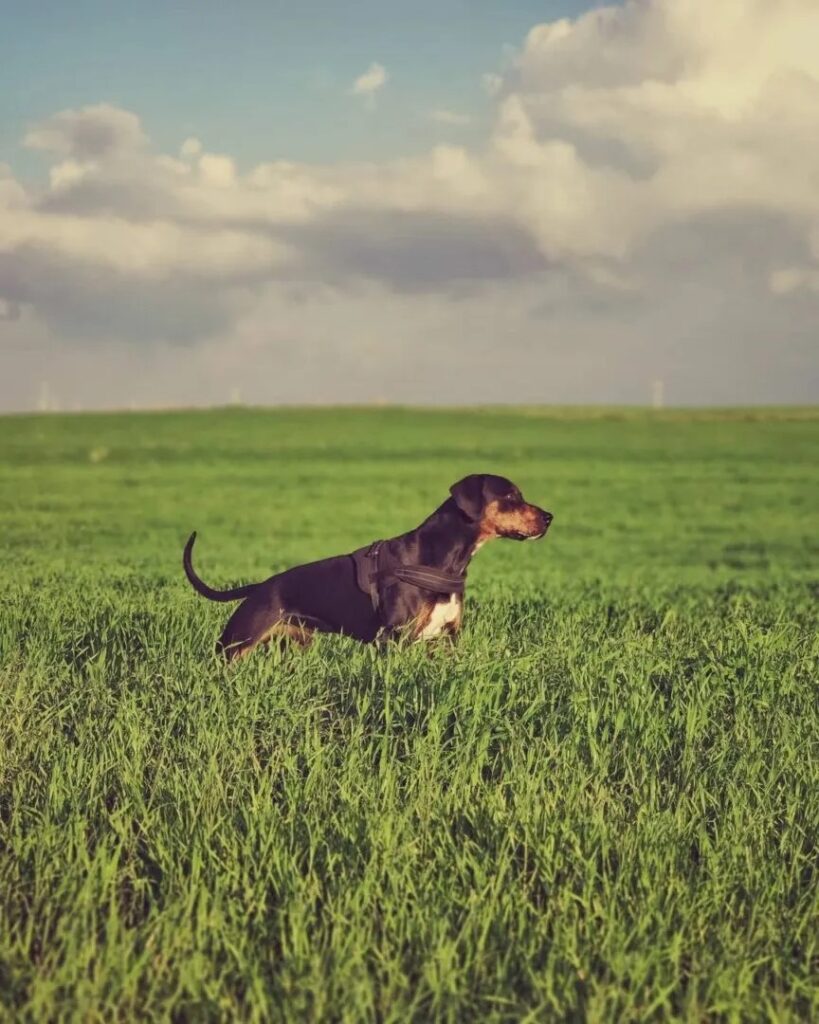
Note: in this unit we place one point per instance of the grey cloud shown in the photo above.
(89, 133)
(82, 302)
(411, 251)
(414, 252)
(136, 199)
(739, 244)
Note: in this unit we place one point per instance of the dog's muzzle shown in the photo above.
(545, 520)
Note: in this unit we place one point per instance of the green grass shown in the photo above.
(603, 804)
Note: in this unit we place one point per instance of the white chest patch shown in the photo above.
(443, 614)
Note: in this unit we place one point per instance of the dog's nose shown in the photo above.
(548, 517)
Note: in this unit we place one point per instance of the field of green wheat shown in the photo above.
(602, 804)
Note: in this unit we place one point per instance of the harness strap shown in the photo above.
(425, 577)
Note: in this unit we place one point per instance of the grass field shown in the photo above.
(603, 804)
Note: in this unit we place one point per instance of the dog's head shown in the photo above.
(497, 505)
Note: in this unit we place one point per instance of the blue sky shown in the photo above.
(635, 201)
(261, 80)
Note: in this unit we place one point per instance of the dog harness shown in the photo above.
(373, 565)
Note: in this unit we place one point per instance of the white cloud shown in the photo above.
(369, 83)
(647, 114)
(217, 169)
(790, 279)
(648, 183)
(9, 310)
(190, 148)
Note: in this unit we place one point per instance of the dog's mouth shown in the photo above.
(527, 536)
(544, 524)
(534, 526)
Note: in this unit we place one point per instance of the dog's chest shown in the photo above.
(445, 613)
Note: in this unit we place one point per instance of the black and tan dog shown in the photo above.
(410, 585)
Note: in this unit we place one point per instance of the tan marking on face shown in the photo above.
(498, 521)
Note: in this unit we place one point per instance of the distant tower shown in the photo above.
(44, 401)
(236, 396)
(657, 394)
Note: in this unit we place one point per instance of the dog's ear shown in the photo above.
(468, 495)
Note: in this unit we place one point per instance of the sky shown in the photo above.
(436, 203)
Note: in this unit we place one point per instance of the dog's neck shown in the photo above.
(448, 538)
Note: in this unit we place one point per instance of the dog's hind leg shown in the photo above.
(253, 624)
(249, 626)
(293, 631)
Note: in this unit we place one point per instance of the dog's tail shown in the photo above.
(203, 588)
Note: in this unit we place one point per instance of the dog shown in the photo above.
(411, 585)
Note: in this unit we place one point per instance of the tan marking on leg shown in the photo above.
(416, 626)
(240, 649)
(299, 634)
